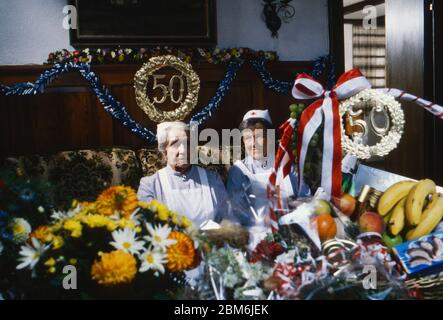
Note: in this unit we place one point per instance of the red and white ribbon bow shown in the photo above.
(282, 167)
(284, 157)
(327, 107)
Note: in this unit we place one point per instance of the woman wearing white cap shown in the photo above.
(193, 191)
(248, 178)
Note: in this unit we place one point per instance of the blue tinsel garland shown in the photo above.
(320, 66)
(111, 105)
(222, 90)
(118, 111)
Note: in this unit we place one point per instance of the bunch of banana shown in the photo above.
(416, 200)
(393, 195)
(404, 207)
(397, 221)
(430, 218)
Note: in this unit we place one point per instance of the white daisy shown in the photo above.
(126, 240)
(20, 230)
(30, 255)
(152, 260)
(159, 236)
(134, 217)
(61, 215)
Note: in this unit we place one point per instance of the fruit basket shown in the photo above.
(413, 212)
(430, 286)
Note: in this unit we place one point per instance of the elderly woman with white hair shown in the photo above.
(197, 193)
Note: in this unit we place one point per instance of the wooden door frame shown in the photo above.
(336, 34)
(433, 80)
(433, 48)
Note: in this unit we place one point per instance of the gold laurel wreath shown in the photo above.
(389, 141)
(143, 101)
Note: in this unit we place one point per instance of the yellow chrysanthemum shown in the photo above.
(160, 209)
(56, 227)
(117, 198)
(74, 227)
(175, 219)
(144, 205)
(87, 207)
(57, 242)
(126, 223)
(163, 215)
(114, 268)
(50, 262)
(98, 221)
(42, 233)
(186, 223)
(180, 220)
(181, 255)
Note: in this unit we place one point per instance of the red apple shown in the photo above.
(371, 222)
(346, 204)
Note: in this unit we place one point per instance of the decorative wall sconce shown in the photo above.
(276, 11)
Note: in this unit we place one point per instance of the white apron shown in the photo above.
(195, 204)
(260, 203)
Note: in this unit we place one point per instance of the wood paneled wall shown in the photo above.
(405, 70)
(68, 115)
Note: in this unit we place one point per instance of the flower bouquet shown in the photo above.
(115, 247)
(23, 206)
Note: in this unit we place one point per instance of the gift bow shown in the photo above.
(282, 167)
(327, 105)
(349, 84)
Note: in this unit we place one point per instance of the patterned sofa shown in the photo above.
(83, 174)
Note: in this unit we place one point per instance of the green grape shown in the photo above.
(293, 108)
(300, 108)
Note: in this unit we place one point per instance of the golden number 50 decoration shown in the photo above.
(186, 72)
(390, 134)
(168, 91)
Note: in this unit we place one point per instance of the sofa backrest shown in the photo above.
(83, 174)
